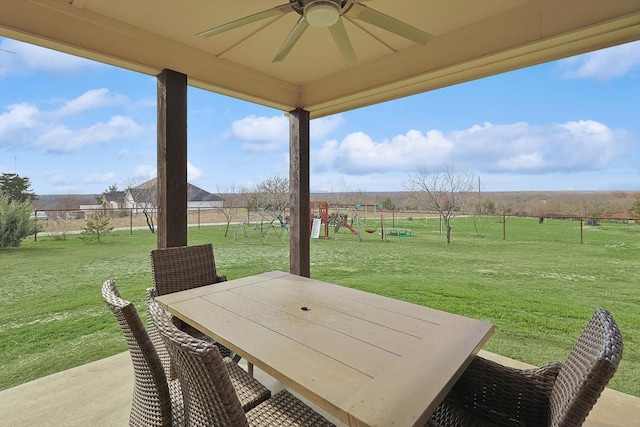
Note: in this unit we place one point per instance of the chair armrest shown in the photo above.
(503, 394)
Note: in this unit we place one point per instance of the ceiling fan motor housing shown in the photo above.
(319, 13)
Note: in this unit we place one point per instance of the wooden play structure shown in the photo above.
(321, 220)
(319, 214)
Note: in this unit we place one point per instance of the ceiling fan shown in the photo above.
(326, 14)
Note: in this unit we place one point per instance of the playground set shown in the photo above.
(261, 226)
(264, 225)
(322, 219)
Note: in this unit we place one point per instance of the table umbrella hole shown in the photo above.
(305, 308)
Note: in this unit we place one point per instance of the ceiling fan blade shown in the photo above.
(291, 40)
(282, 9)
(340, 36)
(386, 22)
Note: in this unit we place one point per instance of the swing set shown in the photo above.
(319, 214)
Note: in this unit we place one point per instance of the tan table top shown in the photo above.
(367, 359)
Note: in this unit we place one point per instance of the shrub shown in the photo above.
(14, 222)
(96, 226)
(56, 229)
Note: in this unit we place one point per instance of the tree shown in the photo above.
(483, 209)
(100, 198)
(229, 205)
(442, 192)
(145, 197)
(16, 188)
(387, 204)
(635, 210)
(275, 192)
(96, 226)
(14, 221)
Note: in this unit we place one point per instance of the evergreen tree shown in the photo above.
(16, 188)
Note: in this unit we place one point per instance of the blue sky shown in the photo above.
(77, 126)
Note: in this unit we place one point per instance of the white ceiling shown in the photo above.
(471, 39)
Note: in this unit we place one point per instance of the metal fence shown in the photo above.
(58, 222)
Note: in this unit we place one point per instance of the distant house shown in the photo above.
(113, 199)
(144, 197)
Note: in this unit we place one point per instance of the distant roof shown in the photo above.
(114, 196)
(146, 192)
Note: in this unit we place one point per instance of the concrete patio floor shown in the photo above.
(99, 394)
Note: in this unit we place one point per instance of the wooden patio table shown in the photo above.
(368, 360)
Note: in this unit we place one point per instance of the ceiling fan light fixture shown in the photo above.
(322, 13)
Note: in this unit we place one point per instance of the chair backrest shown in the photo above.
(589, 367)
(209, 395)
(158, 343)
(183, 267)
(151, 405)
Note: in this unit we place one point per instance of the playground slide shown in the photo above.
(346, 224)
(315, 228)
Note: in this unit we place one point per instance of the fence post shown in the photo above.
(581, 236)
(131, 221)
(504, 227)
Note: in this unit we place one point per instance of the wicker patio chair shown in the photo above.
(158, 343)
(186, 267)
(558, 395)
(156, 401)
(210, 399)
(249, 390)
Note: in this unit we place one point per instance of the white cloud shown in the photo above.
(90, 100)
(193, 173)
(518, 148)
(320, 128)
(101, 178)
(144, 172)
(61, 182)
(27, 125)
(359, 154)
(16, 122)
(59, 178)
(61, 139)
(602, 65)
(261, 134)
(28, 59)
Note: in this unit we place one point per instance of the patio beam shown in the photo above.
(172, 159)
(299, 193)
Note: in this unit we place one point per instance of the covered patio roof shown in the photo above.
(467, 40)
(377, 51)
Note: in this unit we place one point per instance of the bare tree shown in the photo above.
(145, 200)
(70, 203)
(275, 192)
(442, 192)
(230, 204)
(482, 209)
(339, 195)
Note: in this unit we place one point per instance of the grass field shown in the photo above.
(539, 286)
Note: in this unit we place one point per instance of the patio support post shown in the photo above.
(172, 159)
(299, 193)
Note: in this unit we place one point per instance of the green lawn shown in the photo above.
(539, 286)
